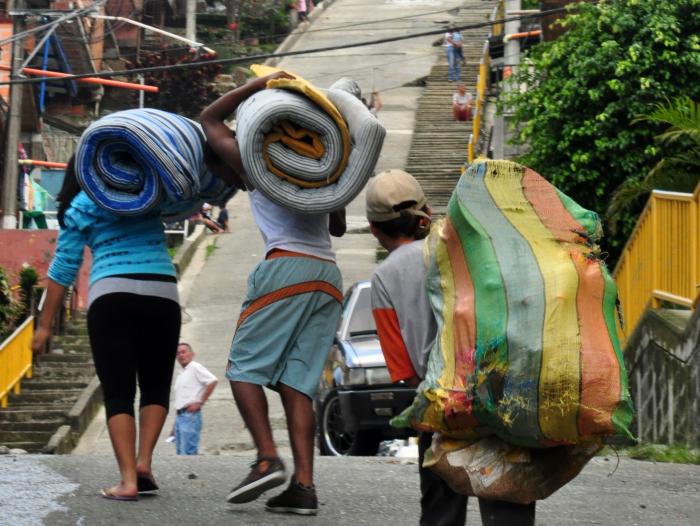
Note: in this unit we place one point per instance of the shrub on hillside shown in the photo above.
(617, 61)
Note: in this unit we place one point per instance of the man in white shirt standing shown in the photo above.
(193, 387)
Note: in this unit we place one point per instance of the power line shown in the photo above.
(48, 25)
(264, 56)
(215, 41)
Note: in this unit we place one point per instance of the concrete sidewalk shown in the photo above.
(64, 490)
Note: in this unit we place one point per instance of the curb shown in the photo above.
(298, 32)
(61, 442)
(184, 254)
(79, 417)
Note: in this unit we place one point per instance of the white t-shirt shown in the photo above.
(284, 229)
(462, 100)
(191, 383)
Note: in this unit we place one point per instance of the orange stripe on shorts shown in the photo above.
(286, 292)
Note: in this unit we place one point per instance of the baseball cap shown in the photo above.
(390, 188)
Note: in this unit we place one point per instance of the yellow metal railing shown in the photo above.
(499, 14)
(660, 261)
(482, 82)
(16, 359)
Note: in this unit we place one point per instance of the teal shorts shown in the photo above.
(287, 323)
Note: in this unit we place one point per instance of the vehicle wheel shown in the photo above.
(335, 441)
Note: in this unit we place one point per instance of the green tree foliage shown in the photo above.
(679, 167)
(618, 59)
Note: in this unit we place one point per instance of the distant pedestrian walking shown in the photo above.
(453, 49)
(374, 104)
(302, 10)
(133, 321)
(193, 387)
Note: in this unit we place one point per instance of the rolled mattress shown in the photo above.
(133, 161)
(306, 156)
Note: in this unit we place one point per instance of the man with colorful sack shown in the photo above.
(399, 218)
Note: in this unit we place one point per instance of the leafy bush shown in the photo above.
(28, 278)
(185, 91)
(10, 309)
(618, 59)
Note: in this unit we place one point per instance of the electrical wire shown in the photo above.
(264, 56)
(60, 20)
(216, 41)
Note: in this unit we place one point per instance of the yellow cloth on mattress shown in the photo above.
(302, 141)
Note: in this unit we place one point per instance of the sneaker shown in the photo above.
(295, 499)
(257, 483)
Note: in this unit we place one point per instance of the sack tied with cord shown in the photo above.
(527, 345)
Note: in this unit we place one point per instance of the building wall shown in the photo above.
(36, 248)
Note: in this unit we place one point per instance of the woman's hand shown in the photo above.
(41, 336)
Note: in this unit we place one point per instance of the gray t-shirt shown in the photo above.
(399, 295)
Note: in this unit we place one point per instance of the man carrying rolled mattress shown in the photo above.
(286, 324)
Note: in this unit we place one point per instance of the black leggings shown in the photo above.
(134, 336)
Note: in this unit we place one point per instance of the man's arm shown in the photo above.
(391, 341)
(196, 406)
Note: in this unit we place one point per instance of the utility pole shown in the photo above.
(13, 126)
(191, 20)
(511, 60)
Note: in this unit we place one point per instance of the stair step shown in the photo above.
(29, 447)
(79, 372)
(10, 414)
(44, 385)
(74, 358)
(25, 436)
(43, 426)
(48, 397)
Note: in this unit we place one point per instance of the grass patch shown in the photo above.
(656, 453)
(211, 247)
(172, 251)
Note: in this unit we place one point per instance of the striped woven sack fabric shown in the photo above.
(134, 161)
(307, 150)
(527, 347)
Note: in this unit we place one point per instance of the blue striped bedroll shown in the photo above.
(133, 161)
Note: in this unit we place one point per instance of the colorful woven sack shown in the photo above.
(527, 347)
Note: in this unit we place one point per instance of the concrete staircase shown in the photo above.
(662, 356)
(439, 145)
(48, 400)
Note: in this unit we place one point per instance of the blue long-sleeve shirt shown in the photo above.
(119, 244)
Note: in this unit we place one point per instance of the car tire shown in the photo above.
(335, 441)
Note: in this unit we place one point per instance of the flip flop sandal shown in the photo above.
(146, 483)
(107, 494)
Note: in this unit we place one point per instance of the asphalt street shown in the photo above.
(64, 490)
